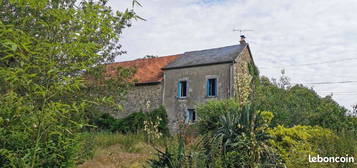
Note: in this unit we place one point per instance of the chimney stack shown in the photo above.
(242, 40)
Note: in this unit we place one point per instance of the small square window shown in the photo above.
(190, 116)
(212, 87)
(182, 89)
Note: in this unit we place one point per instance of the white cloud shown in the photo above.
(285, 33)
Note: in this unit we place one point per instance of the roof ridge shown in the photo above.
(207, 57)
(211, 48)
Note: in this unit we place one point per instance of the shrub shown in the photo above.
(45, 48)
(210, 113)
(299, 105)
(177, 155)
(134, 122)
(236, 136)
(86, 148)
(172, 157)
(295, 145)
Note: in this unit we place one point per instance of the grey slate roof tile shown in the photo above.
(209, 56)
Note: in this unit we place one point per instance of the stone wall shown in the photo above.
(197, 80)
(142, 98)
(241, 62)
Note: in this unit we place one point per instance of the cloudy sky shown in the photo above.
(313, 40)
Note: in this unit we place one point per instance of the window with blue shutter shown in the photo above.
(182, 89)
(190, 116)
(212, 87)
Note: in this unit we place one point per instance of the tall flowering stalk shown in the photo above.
(243, 85)
(151, 128)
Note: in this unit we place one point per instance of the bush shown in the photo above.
(134, 122)
(295, 145)
(45, 48)
(235, 136)
(178, 155)
(210, 113)
(299, 105)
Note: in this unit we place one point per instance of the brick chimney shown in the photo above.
(242, 40)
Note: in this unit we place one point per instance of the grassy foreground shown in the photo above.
(113, 150)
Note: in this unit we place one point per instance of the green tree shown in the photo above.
(298, 105)
(45, 48)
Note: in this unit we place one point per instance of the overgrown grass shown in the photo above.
(120, 150)
(127, 142)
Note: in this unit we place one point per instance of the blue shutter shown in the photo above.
(187, 116)
(179, 89)
(216, 89)
(207, 88)
(187, 88)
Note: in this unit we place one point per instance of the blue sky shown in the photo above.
(287, 34)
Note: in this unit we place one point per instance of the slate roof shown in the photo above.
(148, 70)
(205, 57)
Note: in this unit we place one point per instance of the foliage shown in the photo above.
(87, 147)
(243, 139)
(243, 84)
(119, 150)
(107, 139)
(45, 48)
(299, 105)
(180, 155)
(236, 135)
(295, 145)
(171, 158)
(134, 122)
(150, 56)
(210, 112)
(104, 90)
(151, 128)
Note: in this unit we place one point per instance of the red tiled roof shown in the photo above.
(147, 69)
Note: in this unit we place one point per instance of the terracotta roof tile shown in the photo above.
(148, 69)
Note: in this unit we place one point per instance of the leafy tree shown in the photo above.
(45, 48)
(299, 105)
(150, 56)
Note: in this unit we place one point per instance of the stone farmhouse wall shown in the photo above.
(240, 62)
(150, 96)
(197, 80)
(142, 98)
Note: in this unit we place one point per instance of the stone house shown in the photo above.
(180, 82)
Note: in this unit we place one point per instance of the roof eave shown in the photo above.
(147, 83)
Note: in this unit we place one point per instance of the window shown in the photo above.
(182, 89)
(212, 87)
(190, 116)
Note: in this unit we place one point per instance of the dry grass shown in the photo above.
(119, 151)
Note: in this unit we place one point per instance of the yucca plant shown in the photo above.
(170, 158)
(242, 131)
